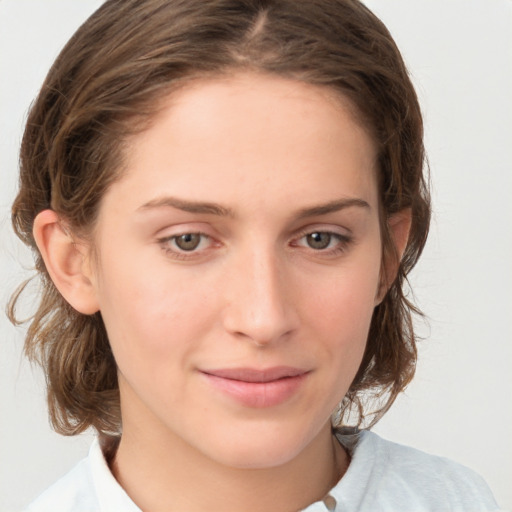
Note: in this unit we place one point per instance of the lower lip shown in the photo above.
(258, 394)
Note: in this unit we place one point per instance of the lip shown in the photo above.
(257, 388)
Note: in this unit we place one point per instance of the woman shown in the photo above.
(226, 198)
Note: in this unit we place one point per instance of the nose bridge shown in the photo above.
(260, 306)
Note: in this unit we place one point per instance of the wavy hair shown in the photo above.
(107, 84)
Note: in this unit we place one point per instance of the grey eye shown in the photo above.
(188, 241)
(319, 240)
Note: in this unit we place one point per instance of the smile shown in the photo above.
(257, 388)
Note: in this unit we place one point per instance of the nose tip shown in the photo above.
(260, 308)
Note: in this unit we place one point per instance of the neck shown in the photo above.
(162, 472)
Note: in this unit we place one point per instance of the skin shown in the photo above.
(255, 293)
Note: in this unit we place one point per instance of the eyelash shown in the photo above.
(343, 242)
(177, 253)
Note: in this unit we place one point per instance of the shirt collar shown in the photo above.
(111, 496)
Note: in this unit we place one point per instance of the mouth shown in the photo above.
(256, 376)
(257, 388)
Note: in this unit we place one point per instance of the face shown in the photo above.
(238, 263)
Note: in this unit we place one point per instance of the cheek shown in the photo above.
(339, 314)
(154, 329)
(347, 297)
(149, 315)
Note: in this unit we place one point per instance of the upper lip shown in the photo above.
(256, 375)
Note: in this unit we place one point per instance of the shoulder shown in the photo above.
(398, 477)
(73, 492)
(88, 487)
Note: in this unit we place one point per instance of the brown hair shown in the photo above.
(106, 85)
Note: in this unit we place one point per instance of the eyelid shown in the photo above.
(324, 228)
(180, 228)
(343, 235)
(175, 252)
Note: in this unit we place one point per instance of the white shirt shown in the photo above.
(382, 477)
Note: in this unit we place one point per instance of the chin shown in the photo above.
(260, 458)
(261, 447)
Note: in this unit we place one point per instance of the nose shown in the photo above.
(260, 299)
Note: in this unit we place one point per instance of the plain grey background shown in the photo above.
(460, 404)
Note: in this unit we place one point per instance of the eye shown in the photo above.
(319, 240)
(188, 241)
(325, 242)
(180, 245)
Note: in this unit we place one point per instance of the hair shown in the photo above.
(107, 84)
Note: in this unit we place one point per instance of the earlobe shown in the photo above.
(66, 262)
(399, 227)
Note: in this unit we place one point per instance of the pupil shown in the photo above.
(188, 242)
(319, 240)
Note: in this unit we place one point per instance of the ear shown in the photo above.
(67, 262)
(399, 227)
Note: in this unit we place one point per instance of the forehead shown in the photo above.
(249, 135)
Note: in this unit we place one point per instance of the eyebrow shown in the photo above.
(202, 207)
(333, 206)
(188, 206)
